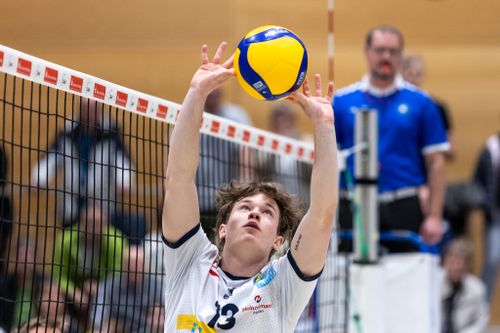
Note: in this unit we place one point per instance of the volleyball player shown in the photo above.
(233, 286)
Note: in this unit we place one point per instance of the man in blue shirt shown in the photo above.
(412, 139)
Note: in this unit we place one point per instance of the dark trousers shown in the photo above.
(400, 214)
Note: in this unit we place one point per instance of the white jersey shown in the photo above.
(200, 297)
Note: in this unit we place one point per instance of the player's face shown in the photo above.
(384, 55)
(254, 220)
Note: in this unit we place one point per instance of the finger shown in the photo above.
(204, 54)
(317, 83)
(218, 53)
(229, 62)
(305, 87)
(331, 89)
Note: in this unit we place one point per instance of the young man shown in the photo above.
(235, 288)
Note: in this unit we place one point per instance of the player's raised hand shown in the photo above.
(212, 74)
(317, 107)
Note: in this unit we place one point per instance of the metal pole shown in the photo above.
(366, 233)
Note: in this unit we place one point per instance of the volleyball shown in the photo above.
(270, 62)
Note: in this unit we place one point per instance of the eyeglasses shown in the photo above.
(381, 50)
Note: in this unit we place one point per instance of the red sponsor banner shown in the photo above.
(215, 126)
(246, 136)
(50, 75)
(162, 111)
(142, 105)
(261, 140)
(301, 152)
(24, 67)
(99, 91)
(288, 148)
(275, 144)
(312, 155)
(121, 98)
(1, 58)
(76, 83)
(231, 131)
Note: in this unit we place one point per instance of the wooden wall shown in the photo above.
(153, 46)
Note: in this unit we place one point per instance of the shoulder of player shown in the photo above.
(415, 92)
(348, 90)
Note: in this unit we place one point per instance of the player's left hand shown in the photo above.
(431, 230)
(317, 107)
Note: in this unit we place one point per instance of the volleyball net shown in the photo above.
(81, 194)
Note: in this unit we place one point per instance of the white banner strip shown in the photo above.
(49, 74)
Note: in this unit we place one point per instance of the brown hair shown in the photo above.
(384, 28)
(460, 247)
(289, 208)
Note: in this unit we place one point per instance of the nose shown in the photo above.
(254, 215)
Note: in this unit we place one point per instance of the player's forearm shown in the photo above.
(437, 183)
(324, 178)
(184, 148)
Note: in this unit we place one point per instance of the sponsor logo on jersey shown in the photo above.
(189, 322)
(262, 280)
(258, 307)
(403, 108)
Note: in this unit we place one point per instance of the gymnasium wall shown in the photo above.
(153, 46)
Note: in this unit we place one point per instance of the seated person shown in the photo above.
(85, 254)
(464, 306)
(123, 300)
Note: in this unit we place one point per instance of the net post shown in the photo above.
(365, 196)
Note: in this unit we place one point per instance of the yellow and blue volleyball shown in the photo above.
(270, 62)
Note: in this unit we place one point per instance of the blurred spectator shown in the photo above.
(131, 224)
(5, 210)
(216, 105)
(21, 289)
(220, 160)
(38, 325)
(54, 308)
(487, 176)
(464, 306)
(412, 140)
(153, 248)
(125, 298)
(94, 162)
(156, 318)
(283, 121)
(85, 254)
(413, 71)
(289, 172)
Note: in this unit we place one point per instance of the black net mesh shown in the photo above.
(81, 194)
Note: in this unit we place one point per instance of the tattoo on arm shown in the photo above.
(298, 242)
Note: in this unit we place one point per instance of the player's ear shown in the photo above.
(278, 241)
(222, 231)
